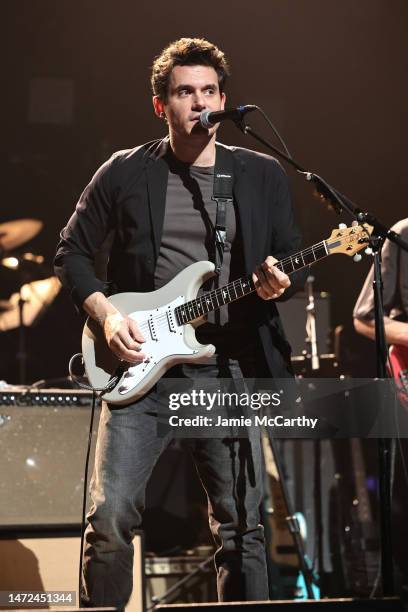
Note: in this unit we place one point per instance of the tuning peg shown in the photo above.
(357, 257)
(342, 226)
(368, 251)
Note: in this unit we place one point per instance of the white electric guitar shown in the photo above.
(168, 317)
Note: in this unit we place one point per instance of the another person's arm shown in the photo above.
(396, 332)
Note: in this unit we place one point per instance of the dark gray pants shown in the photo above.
(230, 470)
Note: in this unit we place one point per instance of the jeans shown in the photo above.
(230, 470)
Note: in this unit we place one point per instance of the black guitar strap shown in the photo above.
(222, 194)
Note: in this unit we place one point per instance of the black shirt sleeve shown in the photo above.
(83, 236)
(286, 239)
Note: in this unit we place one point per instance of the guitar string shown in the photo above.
(162, 319)
(216, 293)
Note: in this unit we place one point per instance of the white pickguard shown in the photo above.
(168, 342)
(164, 339)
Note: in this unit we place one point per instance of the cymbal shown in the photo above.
(37, 296)
(5, 305)
(15, 233)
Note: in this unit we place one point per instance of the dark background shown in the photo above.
(331, 75)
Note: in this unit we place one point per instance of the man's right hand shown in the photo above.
(124, 337)
(122, 334)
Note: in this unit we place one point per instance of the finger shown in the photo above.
(126, 354)
(262, 294)
(263, 283)
(270, 267)
(134, 331)
(274, 275)
(261, 286)
(278, 293)
(264, 290)
(273, 296)
(125, 337)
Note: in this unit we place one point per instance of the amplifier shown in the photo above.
(43, 440)
(385, 604)
(44, 559)
(293, 315)
(28, 396)
(188, 578)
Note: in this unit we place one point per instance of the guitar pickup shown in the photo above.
(170, 321)
(152, 328)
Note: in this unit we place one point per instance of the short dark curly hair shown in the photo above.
(187, 52)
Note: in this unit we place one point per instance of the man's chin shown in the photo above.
(199, 129)
(201, 133)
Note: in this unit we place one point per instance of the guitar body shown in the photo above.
(167, 342)
(398, 356)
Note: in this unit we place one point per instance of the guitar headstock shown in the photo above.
(349, 240)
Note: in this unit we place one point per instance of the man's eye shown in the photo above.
(210, 91)
(183, 92)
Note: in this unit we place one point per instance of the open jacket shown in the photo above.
(128, 195)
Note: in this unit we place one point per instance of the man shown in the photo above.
(157, 199)
(394, 270)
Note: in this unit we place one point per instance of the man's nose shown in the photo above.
(199, 102)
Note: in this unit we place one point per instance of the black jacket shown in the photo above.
(128, 194)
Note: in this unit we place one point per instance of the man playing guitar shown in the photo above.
(157, 201)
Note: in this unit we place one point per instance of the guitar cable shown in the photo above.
(84, 496)
(100, 391)
(97, 394)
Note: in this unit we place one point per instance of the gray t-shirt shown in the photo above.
(188, 237)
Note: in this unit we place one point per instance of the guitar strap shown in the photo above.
(222, 195)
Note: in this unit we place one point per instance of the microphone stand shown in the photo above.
(311, 339)
(340, 203)
(313, 355)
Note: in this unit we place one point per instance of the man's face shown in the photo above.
(191, 90)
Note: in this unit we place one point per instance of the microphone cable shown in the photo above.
(275, 131)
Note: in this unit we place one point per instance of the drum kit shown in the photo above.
(34, 290)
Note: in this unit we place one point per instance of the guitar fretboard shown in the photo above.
(212, 300)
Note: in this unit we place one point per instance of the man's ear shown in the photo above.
(158, 107)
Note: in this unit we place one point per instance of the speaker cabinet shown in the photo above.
(186, 578)
(44, 560)
(386, 604)
(43, 440)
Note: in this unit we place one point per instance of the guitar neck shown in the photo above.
(237, 289)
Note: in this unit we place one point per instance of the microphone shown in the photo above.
(209, 118)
